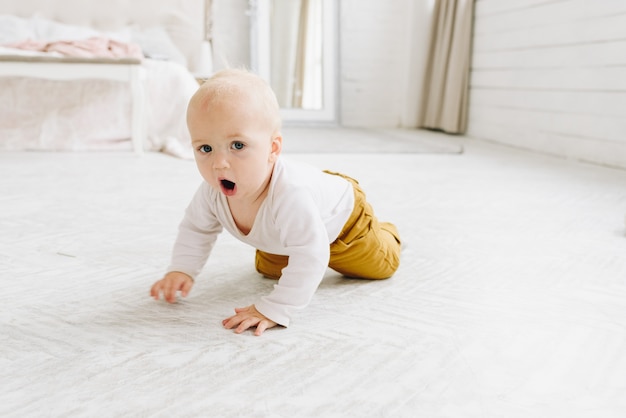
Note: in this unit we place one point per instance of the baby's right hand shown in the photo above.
(170, 284)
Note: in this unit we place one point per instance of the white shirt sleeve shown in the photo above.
(197, 234)
(304, 237)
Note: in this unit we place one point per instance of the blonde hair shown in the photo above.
(236, 82)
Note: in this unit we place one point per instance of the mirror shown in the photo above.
(294, 48)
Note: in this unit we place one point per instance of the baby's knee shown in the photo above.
(390, 257)
(388, 266)
(269, 265)
(268, 274)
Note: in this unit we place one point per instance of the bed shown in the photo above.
(59, 99)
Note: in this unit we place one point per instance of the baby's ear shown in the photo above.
(277, 146)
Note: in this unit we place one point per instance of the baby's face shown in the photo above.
(234, 147)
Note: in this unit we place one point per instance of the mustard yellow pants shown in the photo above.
(365, 248)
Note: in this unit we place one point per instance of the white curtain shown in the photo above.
(446, 78)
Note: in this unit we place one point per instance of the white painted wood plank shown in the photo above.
(498, 7)
(599, 127)
(551, 76)
(581, 55)
(568, 33)
(612, 154)
(604, 79)
(546, 14)
(591, 103)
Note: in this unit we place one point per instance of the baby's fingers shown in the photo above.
(247, 323)
(169, 292)
(260, 329)
(156, 289)
(186, 287)
(170, 284)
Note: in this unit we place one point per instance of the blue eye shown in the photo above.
(238, 145)
(205, 148)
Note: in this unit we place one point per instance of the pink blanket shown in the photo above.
(96, 47)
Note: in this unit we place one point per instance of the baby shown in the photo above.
(301, 220)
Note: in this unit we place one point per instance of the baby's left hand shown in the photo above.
(245, 318)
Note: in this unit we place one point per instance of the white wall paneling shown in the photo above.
(550, 76)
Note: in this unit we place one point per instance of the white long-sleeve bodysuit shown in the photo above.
(304, 211)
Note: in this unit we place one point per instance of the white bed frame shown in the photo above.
(53, 68)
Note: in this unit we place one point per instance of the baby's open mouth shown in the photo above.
(228, 187)
(227, 184)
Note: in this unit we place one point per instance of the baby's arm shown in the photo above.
(304, 238)
(173, 282)
(197, 233)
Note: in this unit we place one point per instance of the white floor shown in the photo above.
(510, 301)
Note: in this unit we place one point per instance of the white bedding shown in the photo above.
(39, 114)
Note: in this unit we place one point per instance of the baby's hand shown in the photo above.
(245, 318)
(170, 284)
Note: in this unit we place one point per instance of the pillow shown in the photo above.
(157, 44)
(14, 29)
(50, 30)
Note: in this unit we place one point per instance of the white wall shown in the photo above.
(374, 61)
(231, 33)
(378, 69)
(551, 76)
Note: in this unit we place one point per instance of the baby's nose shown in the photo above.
(220, 165)
(220, 160)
